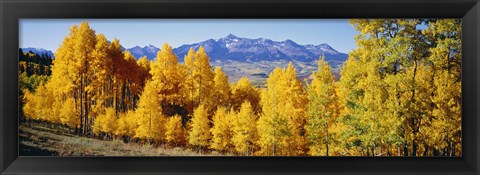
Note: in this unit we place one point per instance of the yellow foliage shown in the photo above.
(243, 129)
(222, 129)
(222, 89)
(199, 134)
(199, 82)
(127, 124)
(106, 123)
(399, 90)
(150, 119)
(175, 133)
(281, 125)
(38, 105)
(243, 91)
(30, 103)
(167, 76)
(68, 113)
(322, 110)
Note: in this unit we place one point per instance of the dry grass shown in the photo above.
(39, 140)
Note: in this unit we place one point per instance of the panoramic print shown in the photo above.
(240, 87)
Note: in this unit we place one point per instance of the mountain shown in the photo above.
(150, 51)
(254, 58)
(236, 48)
(39, 51)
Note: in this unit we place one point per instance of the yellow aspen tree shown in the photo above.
(99, 67)
(160, 95)
(221, 130)
(272, 127)
(350, 95)
(221, 88)
(102, 60)
(395, 106)
(204, 76)
(126, 124)
(394, 45)
(322, 110)
(188, 90)
(29, 103)
(129, 80)
(167, 77)
(105, 123)
(144, 73)
(38, 105)
(56, 94)
(84, 46)
(281, 125)
(115, 60)
(67, 112)
(244, 132)
(62, 83)
(150, 119)
(373, 101)
(446, 59)
(242, 91)
(448, 111)
(174, 134)
(46, 101)
(199, 134)
(416, 54)
(424, 88)
(296, 95)
(198, 85)
(122, 126)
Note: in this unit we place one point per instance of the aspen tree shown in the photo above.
(242, 91)
(221, 130)
(174, 134)
(321, 109)
(244, 130)
(221, 88)
(199, 134)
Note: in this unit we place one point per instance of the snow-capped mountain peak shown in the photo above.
(237, 48)
(150, 51)
(242, 49)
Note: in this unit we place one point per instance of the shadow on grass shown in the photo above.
(51, 128)
(37, 141)
(26, 150)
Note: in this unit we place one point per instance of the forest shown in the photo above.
(399, 94)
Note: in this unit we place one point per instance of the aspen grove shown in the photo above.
(398, 94)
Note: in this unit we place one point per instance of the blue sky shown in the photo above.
(49, 33)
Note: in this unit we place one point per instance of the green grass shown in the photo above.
(40, 140)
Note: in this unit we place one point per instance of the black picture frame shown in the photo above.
(12, 10)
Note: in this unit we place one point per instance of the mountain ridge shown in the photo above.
(237, 48)
(39, 51)
(242, 49)
(255, 58)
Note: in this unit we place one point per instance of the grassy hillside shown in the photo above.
(37, 139)
(258, 72)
